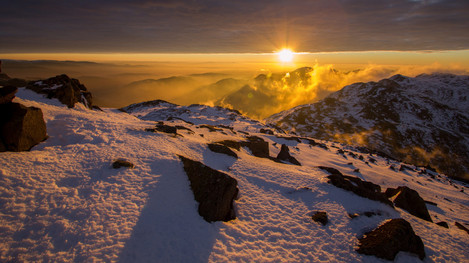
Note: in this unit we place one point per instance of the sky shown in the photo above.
(243, 26)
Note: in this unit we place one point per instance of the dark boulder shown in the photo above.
(390, 238)
(215, 191)
(21, 127)
(7, 94)
(257, 146)
(67, 90)
(460, 226)
(266, 131)
(320, 217)
(122, 163)
(219, 148)
(443, 224)
(166, 128)
(356, 185)
(409, 200)
(230, 143)
(284, 155)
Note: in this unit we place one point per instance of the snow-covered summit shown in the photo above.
(422, 120)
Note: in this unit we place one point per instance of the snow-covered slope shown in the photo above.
(422, 120)
(62, 201)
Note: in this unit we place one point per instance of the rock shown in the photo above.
(460, 226)
(230, 143)
(219, 148)
(166, 128)
(215, 191)
(122, 163)
(356, 185)
(284, 155)
(443, 224)
(257, 146)
(67, 90)
(266, 131)
(211, 128)
(409, 200)
(7, 94)
(21, 127)
(320, 217)
(388, 239)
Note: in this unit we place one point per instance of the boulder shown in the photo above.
(67, 90)
(122, 163)
(409, 200)
(320, 217)
(7, 94)
(21, 127)
(219, 148)
(388, 239)
(266, 131)
(284, 155)
(257, 146)
(460, 226)
(213, 190)
(230, 143)
(443, 224)
(356, 185)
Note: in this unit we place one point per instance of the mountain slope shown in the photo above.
(422, 120)
(62, 201)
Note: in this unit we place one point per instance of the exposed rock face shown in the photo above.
(257, 146)
(7, 94)
(21, 127)
(443, 224)
(460, 226)
(356, 185)
(422, 120)
(230, 143)
(67, 90)
(320, 217)
(284, 155)
(390, 238)
(122, 163)
(409, 200)
(164, 128)
(215, 191)
(219, 148)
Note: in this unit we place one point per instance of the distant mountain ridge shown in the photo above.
(422, 120)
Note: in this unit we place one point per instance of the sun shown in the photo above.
(285, 55)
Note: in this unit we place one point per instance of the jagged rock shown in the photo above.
(166, 128)
(356, 185)
(443, 224)
(320, 217)
(257, 146)
(388, 239)
(122, 163)
(230, 143)
(21, 127)
(266, 131)
(460, 226)
(284, 155)
(211, 128)
(7, 94)
(215, 191)
(67, 90)
(409, 200)
(219, 148)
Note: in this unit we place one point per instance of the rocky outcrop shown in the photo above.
(122, 163)
(460, 226)
(67, 90)
(409, 200)
(230, 143)
(257, 146)
(215, 191)
(161, 127)
(320, 217)
(7, 94)
(390, 238)
(219, 148)
(284, 155)
(21, 127)
(356, 185)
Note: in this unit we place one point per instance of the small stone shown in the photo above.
(443, 224)
(320, 217)
(122, 163)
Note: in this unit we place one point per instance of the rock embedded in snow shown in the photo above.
(257, 146)
(460, 226)
(284, 155)
(67, 90)
(356, 185)
(21, 127)
(388, 239)
(230, 143)
(443, 224)
(122, 163)
(409, 200)
(220, 148)
(215, 191)
(320, 217)
(7, 94)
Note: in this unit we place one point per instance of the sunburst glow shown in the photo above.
(285, 55)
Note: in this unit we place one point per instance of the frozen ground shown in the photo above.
(62, 201)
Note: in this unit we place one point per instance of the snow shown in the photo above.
(62, 201)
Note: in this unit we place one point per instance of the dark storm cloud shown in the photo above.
(232, 26)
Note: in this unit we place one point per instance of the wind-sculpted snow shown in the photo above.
(422, 120)
(63, 202)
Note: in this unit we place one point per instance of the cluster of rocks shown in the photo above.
(21, 127)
